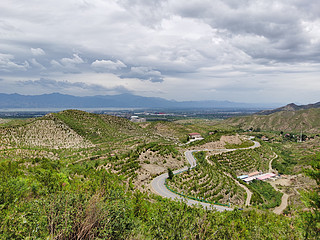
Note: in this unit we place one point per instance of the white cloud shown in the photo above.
(37, 51)
(72, 61)
(68, 64)
(35, 63)
(107, 65)
(144, 73)
(8, 65)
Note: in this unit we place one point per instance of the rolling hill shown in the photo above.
(289, 107)
(307, 120)
(78, 175)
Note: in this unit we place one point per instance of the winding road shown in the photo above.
(158, 183)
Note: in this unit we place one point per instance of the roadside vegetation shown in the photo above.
(76, 175)
(267, 197)
(52, 201)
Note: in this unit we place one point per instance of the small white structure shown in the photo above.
(137, 119)
(194, 135)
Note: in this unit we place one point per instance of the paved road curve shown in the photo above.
(159, 188)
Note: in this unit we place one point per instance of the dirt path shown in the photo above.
(285, 197)
(284, 200)
(249, 193)
(270, 163)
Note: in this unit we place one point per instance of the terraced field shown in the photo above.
(83, 141)
(208, 182)
(244, 161)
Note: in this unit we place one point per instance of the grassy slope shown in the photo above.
(42, 195)
(178, 131)
(292, 121)
(98, 128)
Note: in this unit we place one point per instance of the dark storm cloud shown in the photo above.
(279, 23)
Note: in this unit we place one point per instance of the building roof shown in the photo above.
(266, 176)
(253, 174)
(242, 176)
(249, 179)
(193, 134)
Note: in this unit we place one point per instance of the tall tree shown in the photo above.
(170, 173)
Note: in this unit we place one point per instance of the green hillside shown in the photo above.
(97, 128)
(77, 175)
(290, 121)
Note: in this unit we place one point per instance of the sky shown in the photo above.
(255, 51)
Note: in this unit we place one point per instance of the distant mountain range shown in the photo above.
(57, 100)
(290, 107)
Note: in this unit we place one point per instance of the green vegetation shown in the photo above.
(170, 174)
(97, 128)
(312, 199)
(288, 121)
(269, 197)
(51, 201)
(240, 162)
(244, 144)
(214, 135)
(76, 175)
(208, 182)
(293, 156)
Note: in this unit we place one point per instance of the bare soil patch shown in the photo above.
(153, 164)
(234, 139)
(44, 133)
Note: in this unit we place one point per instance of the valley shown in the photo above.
(74, 172)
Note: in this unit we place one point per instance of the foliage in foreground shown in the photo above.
(269, 196)
(311, 219)
(44, 201)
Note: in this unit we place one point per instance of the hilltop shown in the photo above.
(307, 120)
(289, 107)
(68, 129)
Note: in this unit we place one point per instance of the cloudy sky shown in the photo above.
(237, 50)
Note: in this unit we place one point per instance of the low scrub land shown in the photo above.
(77, 175)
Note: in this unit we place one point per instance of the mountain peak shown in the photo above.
(290, 107)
